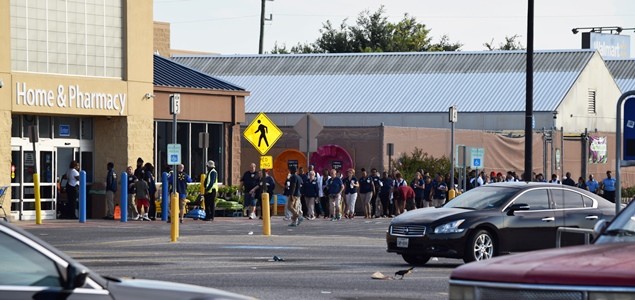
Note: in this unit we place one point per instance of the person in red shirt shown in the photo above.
(403, 194)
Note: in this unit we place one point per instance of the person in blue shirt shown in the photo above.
(418, 185)
(351, 184)
(334, 188)
(366, 188)
(592, 185)
(311, 192)
(295, 188)
(608, 187)
(375, 201)
(182, 179)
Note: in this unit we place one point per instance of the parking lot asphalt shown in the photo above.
(319, 259)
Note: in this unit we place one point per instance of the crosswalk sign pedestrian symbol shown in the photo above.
(262, 133)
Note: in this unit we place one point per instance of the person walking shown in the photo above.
(311, 191)
(72, 183)
(132, 190)
(568, 180)
(608, 187)
(182, 179)
(148, 175)
(366, 188)
(111, 189)
(266, 185)
(351, 184)
(142, 199)
(419, 185)
(581, 184)
(295, 186)
(334, 188)
(440, 191)
(385, 193)
(211, 188)
(324, 199)
(249, 184)
(375, 201)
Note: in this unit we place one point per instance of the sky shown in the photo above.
(233, 26)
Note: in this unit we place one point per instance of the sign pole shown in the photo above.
(308, 141)
(175, 109)
(453, 119)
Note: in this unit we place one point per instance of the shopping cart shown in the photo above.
(3, 192)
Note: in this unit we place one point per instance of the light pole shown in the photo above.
(262, 24)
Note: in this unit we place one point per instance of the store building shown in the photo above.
(79, 71)
(368, 100)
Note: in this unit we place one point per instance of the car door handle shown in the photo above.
(591, 217)
(548, 219)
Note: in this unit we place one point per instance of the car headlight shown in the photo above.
(452, 227)
(461, 292)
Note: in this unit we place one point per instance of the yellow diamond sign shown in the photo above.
(262, 133)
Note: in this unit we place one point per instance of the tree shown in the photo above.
(408, 165)
(373, 33)
(511, 43)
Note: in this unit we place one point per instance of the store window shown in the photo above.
(192, 156)
(67, 37)
(66, 127)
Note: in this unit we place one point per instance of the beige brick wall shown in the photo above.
(162, 38)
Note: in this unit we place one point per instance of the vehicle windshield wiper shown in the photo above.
(620, 231)
(463, 207)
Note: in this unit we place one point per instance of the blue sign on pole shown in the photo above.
(629, 129)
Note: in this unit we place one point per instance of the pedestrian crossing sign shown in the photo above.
(262, 133)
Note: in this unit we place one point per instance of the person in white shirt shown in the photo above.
(72, 175)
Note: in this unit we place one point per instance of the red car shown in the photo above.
(603, 270)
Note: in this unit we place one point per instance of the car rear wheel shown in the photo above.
(416, 260)
(480, 247)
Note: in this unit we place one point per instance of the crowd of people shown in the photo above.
(605, 188)
(310, 195)
(334, 193)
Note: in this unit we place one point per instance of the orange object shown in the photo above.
(117, 212)
(281, 164)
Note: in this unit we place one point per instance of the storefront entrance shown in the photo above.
(53, 157)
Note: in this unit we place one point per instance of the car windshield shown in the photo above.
(484, 197)
(621, 229)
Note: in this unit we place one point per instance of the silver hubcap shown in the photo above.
(483, 247)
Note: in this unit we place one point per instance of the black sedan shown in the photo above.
(496, 219)
(32, 269)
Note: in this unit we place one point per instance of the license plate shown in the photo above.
(402, 242)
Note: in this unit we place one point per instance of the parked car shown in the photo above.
(496, 219)
(33, 269)
(603, 270)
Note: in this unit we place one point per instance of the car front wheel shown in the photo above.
(480, 247)
(416, 260)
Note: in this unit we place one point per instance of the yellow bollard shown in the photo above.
(266, 224)
(202, 189)
(275, 205)
(38, 203)
(174, 217)
(451, 194)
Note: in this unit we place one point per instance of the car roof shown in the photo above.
(10, 227)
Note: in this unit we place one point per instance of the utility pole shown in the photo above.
(262, 24)
(529, 102)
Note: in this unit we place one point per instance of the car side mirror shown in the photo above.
(517, 206)
(75, 278)
(600, 226)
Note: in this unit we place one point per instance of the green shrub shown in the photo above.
(408, 165)
(628, 192)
